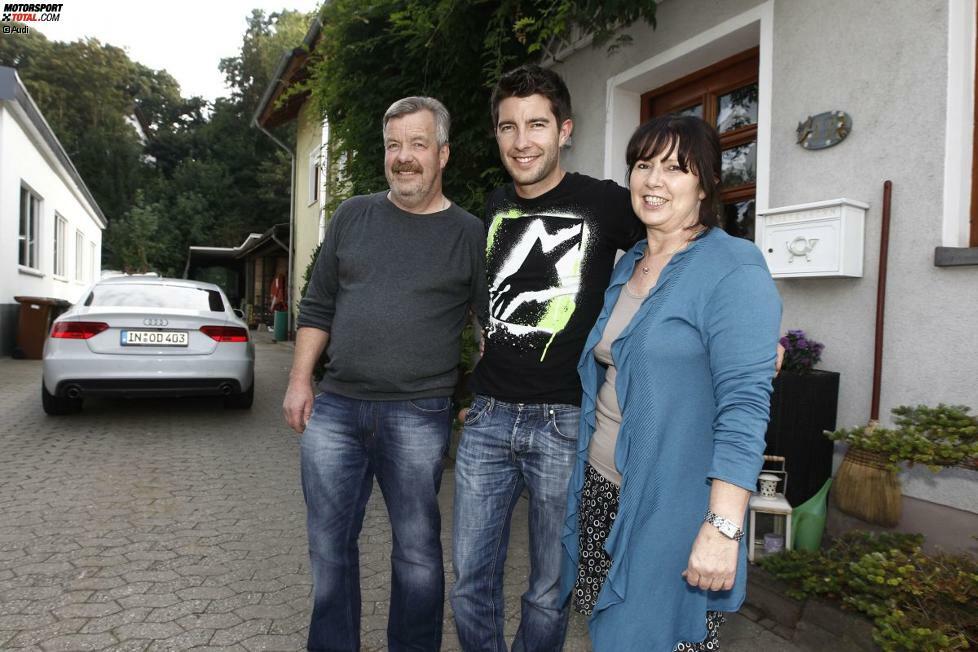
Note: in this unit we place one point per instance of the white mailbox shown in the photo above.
(823, 238)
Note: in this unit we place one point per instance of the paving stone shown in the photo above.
(12, 607)
(210, 621)
(73, 642)
(192, 640)
(95, 583)
(264, 611)
(178, 610)
(234, 602)
(108, 623)
(154, 600)
(205, 593)
(28, 638)
(149, 631)
(87, 610)
(240, 632)
(272, 643)
(21, 621)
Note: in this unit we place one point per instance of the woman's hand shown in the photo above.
(712, 563)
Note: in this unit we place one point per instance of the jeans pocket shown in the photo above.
(431, 405)
(565, 423)
(479, 407)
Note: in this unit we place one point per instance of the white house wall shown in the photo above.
(886, 64)
(22, 161)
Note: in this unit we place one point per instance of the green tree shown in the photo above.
(374, 52)
(167, 171)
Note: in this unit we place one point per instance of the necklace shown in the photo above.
(692, 236)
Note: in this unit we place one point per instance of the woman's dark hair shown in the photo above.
(531, 79)
(697, 148)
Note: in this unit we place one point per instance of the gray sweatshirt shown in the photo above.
(392, 289)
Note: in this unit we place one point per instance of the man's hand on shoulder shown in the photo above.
(297, 406)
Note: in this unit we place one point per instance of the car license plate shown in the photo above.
(155, 338)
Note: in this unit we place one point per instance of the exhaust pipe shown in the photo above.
(73, 391)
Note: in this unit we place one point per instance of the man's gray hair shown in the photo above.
(413, 104)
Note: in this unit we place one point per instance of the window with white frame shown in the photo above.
(93, 262)
(314, 175)
(60, 244)
(79, 255)
(30, 228)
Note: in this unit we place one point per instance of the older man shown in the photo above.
(388, 299)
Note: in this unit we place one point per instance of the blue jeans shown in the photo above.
(506, 447)
(402, 443)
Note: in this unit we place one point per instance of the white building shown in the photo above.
(904, 71)
(50, 226)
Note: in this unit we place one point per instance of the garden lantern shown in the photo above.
(770, 513)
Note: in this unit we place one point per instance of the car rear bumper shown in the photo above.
(70, 365)
(130, 388)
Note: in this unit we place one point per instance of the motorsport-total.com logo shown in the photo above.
(29, 13)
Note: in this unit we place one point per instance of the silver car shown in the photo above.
(148, 336)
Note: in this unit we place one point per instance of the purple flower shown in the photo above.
(801, 353)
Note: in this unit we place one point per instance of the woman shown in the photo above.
(677, 381)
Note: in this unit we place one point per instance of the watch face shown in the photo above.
(728, 529)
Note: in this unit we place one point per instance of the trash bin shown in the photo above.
(34, 322)
(281, 325)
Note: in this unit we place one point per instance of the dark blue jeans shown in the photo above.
(506, 447)
(346, 443)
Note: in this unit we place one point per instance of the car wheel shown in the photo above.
(58, 405)
(241, 400)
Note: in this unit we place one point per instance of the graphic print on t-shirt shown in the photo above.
(534, 280)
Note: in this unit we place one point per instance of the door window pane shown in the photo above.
(738, 219)
(696, 111)
(739, 165)
(30, 216)
(737, 108)
(60, 231)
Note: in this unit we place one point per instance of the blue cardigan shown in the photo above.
(694, 379)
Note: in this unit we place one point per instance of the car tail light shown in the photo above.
(77, 330)
(225, 333)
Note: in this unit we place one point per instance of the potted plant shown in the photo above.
(803, 406)
(867, 485)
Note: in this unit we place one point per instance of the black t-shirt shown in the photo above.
(549, 260)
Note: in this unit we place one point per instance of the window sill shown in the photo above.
(58, 277)
(30, 271)
(955, 256)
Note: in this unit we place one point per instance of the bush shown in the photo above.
(916, 601)
(945, 435)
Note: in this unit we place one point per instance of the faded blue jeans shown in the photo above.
(346, 443)
(506, 447)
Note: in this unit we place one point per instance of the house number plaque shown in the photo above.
(824, 130)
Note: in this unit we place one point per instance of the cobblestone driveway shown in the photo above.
(174, 524)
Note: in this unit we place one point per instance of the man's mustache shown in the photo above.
(405, 167)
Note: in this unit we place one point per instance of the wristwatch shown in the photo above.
(727, 527)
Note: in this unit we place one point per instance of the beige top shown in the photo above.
(601, 451)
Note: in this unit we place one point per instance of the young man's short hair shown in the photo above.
(531, 79)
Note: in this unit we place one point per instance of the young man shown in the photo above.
(552, 241)
(389, 295)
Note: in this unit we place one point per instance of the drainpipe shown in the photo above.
(291, 210)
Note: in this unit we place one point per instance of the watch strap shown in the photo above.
(724, 525)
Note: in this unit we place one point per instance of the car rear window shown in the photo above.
(145, 295)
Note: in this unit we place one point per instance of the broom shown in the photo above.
(864, 485)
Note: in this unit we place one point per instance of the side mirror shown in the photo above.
(238, 313)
